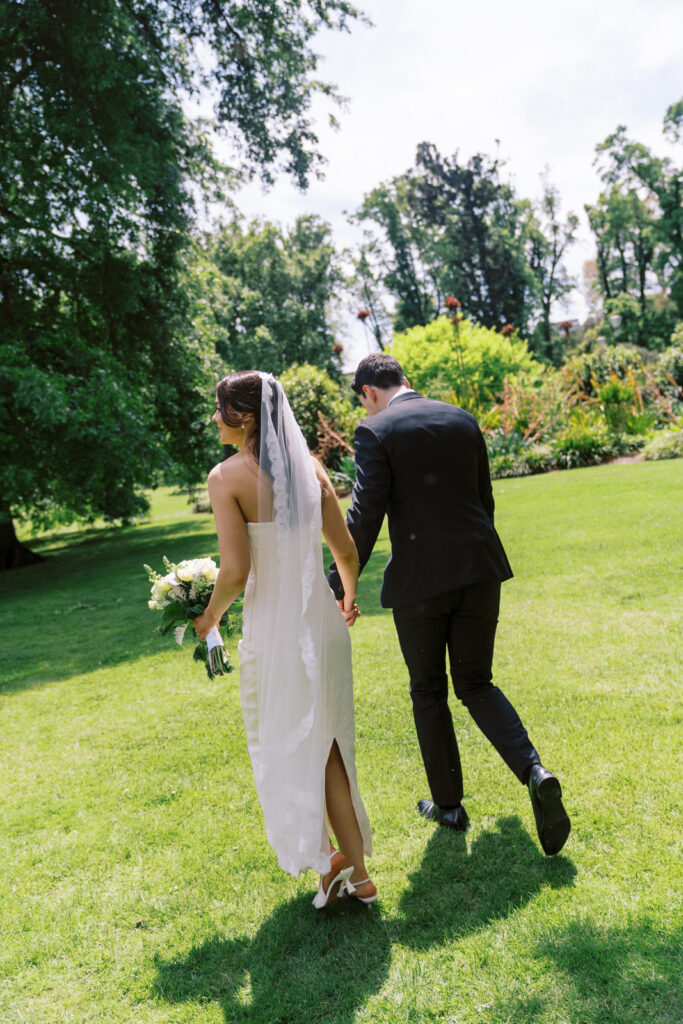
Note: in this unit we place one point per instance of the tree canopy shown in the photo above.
(451, 228)
(103, 385)
(637, 222)
(271, 292)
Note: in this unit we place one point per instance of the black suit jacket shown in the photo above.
(425, 464)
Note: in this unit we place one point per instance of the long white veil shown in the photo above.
(291, 755)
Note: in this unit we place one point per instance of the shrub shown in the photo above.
(665, 444)
(669, 367)
(647, 326)
(540, 458)
(616, 399)
(584, 441)
(442, 359)
(510, 464)
(310, 391)
(584, 375)
(343, 476)
(201, 502)
(533, 411)
(536, 458)
(629, 392)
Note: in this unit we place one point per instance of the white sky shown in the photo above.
(549, 78)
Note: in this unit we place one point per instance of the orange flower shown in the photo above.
(337, 349)
(452, 303)
(363, 314)
(507, 330)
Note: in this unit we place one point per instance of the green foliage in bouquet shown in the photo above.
(181, 595)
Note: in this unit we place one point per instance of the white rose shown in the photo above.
(159, 591)
(210, 570)
(187, 570)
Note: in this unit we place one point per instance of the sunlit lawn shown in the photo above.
(137, 884)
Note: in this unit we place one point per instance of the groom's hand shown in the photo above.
(350, 614)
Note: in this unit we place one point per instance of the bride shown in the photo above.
(270, 503)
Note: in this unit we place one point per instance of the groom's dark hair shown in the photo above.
(378, 371)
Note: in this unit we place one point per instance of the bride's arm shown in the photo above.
(233, 545)
(339, 540)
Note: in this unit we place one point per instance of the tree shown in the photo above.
(627, 237)
(549, 241)
(102, 386)
(367, 290)
(638, 225)
(486, 229)
(448, 228)
(410, 270)
(274, 290)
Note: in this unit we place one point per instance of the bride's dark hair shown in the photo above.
(239, 394)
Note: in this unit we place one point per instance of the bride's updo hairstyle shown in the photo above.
(239, 394)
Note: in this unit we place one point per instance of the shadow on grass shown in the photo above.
(456, 891)
(85, 607)
(613, 975)
(301, 967)
(304, 967)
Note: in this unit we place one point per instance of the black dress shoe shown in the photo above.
(456, 818)
(552, 821)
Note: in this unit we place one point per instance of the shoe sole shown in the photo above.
(454, 827)
(367, 900)
(555, 825)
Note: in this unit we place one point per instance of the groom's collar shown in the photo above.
(401, 394)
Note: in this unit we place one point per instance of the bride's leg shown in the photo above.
(343, 817)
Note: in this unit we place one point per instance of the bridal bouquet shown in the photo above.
(181, 595)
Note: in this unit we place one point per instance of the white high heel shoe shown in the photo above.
(351, 887)
(322, 898)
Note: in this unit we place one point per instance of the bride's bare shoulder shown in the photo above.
(228, 473)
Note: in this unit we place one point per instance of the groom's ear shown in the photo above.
(406, 382)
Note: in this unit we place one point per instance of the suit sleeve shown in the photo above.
(369, 499)
(485, 488)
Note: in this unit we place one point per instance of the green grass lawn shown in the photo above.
(137, 884)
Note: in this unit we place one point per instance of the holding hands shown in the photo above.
(349, 610)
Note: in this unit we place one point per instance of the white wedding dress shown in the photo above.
(296, 680)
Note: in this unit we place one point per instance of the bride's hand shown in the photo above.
(203, 623)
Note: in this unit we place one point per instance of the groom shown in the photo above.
(425, 464)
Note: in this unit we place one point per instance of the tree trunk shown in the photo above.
(13, 554)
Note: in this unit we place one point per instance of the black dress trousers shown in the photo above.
(463, 623)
